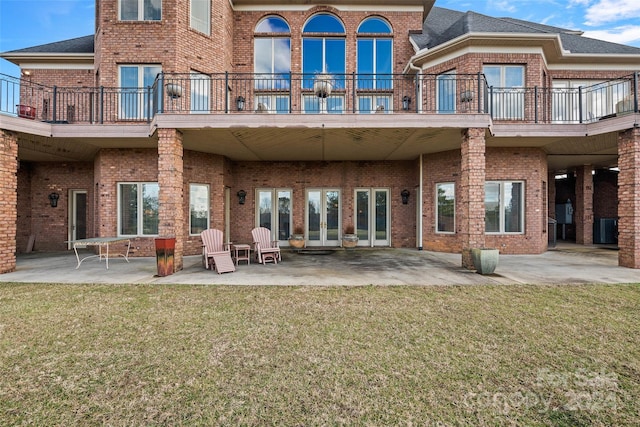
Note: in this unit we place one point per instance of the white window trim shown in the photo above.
(274, 210)
(437, 208)
(140, 216)
(194, 19)
(502, 208)
(208, 204)
(140, 13)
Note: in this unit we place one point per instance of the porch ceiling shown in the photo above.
(328, 139)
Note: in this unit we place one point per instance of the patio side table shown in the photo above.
(241, 252)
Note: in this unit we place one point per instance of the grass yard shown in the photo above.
(430, 356)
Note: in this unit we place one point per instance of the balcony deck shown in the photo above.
(258, 117)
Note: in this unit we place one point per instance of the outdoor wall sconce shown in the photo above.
(405, 196)
(240, 103)
(242, 195)
(53, 199)
(406, 100)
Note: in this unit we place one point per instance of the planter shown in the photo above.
(485, 260)
(323, 85)
(297, 241)
(26, 111)
(165, 247)
(349, 241)
(173, 90)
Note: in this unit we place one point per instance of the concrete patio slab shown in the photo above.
(565, 264)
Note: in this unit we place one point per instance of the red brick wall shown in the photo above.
(345, 176)
(515, 164)
(36, 217)
(401, 23)
(8, 198)
(122, 165)
(605, 187)
(528, 165)
(629, 196)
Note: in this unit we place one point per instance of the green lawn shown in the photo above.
(427, 356)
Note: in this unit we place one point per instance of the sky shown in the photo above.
(26, 23)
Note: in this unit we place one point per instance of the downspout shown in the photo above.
(419, 210)
(419, 201)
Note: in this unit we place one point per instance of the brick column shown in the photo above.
(472, 178)
(629, 198)
(8, 200)
(170, 182)
(583, 215)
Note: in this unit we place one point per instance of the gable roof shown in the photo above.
(443, 25)
(83, 44)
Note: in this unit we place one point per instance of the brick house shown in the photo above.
(416, 125)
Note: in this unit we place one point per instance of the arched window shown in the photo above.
(375, 64)
(272, 63)
(323, 52)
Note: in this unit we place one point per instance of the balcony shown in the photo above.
(343, 94)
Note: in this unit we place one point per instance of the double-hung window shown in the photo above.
(140, 10)
(504, 207)
(138, 208)
(135, 94)
(198, 208)
(201, 16)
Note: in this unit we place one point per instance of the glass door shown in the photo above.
(273, 211)
(323, 217)
(372, 217)
(77, 215)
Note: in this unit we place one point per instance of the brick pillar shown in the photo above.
(471, 215)
(8, 200)
(170, 182)
(583, 215)
(629, 198)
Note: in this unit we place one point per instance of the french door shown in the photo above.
(77, 215)
(372, 216)
(273, 211)
(323, 217)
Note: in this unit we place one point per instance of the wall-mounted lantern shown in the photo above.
(240, 103)
(53, 199)
(405, 196)
(406, 100)
(242, 195)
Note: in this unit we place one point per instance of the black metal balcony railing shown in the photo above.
(237, 93)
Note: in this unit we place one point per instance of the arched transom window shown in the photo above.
(323, 53)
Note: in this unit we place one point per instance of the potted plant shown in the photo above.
(296, 240)
(349, 238)
(485, 260)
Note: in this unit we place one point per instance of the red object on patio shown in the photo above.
(165, 246)
(26, 111)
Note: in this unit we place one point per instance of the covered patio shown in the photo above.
(566, 263)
